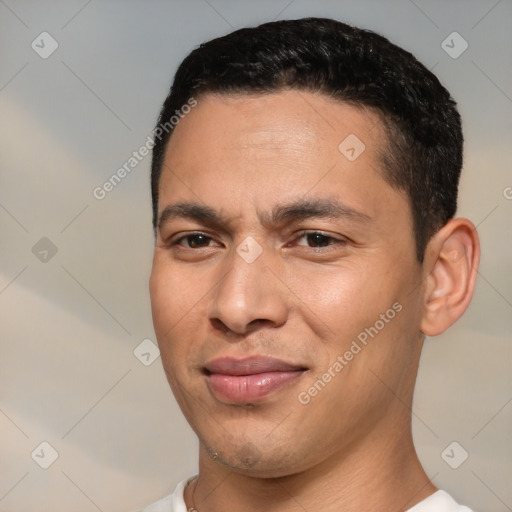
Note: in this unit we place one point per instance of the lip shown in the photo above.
(250, 379)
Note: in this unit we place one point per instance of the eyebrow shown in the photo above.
(192, 211)
(313, 208)
(282, 214)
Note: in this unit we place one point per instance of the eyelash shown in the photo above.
(330, 238)
(190, 235)
(333, 240)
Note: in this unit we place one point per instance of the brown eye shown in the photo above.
(318, 240)
(194, 241)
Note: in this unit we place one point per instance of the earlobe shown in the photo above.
(452, 256)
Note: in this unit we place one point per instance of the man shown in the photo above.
(303, 205)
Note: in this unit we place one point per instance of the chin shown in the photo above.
(247, 458)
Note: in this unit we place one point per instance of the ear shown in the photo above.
(451, 263)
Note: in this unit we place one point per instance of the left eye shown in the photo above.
(317, 239)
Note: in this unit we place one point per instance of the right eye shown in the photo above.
(193, 241)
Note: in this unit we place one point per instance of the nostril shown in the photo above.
(219, 325)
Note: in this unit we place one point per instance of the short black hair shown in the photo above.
(423, 127)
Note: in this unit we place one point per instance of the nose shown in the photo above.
(248, 297)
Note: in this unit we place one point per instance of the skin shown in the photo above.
(304, 300)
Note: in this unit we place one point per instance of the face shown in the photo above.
(284, 283)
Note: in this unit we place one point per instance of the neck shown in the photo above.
(381, 472)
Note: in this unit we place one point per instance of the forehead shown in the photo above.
(259, 150)
(284, 120)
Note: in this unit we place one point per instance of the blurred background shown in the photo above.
(87, 421)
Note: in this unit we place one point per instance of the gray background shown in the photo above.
(70, 321)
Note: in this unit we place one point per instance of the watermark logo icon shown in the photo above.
(351, 147)
(249, 250)
(44, 455)
(146, 352)
(44, 45)
(454, 455)
(44, 250)
(454, 45)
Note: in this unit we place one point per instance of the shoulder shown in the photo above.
(175, 502)
(440, 501)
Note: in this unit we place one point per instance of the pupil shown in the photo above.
(318, 239)
(197, 240)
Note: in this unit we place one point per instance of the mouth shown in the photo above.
(251, 379)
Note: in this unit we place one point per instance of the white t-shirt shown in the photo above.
(440, 501)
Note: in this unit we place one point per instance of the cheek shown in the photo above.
(169, 305)
(166, 311)
(178, 307)
(345, 304)
(161, 299)
(342, 297)
(171, 295)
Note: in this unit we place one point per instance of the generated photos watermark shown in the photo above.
(344, 359)
(100, 192)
